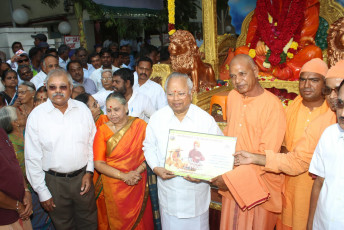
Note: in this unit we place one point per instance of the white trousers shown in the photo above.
(169, 222)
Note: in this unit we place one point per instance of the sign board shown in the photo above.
(73, 41)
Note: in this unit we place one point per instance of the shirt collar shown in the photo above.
(51, 107)
(190, 114)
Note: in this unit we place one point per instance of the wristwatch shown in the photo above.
(89, 172)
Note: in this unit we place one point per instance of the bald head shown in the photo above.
(243, 58)
(244, 75)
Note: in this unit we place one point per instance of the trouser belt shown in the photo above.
(70, 174)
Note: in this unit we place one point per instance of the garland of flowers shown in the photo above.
(279, 30)
(171, 18)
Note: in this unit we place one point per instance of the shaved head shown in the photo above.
(243, 58)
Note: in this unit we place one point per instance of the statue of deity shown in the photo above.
(335, 40)
(280, 36)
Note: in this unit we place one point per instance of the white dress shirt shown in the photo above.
(154, 91)
(96, 76)
(100, 97)
(59, 142)
(88, 72)
(140, 106)
(327, 162)
(177, 196)
(63, 63)
(39, 79)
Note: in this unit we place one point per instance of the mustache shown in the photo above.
(341, 118)
(143, 74)
(58, 94)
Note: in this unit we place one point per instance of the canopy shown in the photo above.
(131, 7)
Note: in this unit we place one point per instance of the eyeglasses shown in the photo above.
(54, 87)
(327, 90)
(107, 78)
(21, 61)
(340, 104)
(22, 92)
(181, 95)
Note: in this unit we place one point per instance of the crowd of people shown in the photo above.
(84, 138)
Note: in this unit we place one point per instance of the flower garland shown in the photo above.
(171, 16)
(280, 30)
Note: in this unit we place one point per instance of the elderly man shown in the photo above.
(184, 204)
(256, 117)
(49, 62)
(75, 69)
(296, 162)
(59, 156)
(326, 205)
(106, 60)
(148, 87)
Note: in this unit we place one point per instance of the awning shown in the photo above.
(131, 8)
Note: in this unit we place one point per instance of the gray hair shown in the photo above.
(29, 85)
(179, 75)
(118, 96)
(59, 72)
(8, 114)
(106, 70)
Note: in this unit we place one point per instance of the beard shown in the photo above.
(183, 62)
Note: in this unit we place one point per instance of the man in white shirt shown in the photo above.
(139, 105)
(327, 203)
(49, 62)
(63, 52)
(75, 69)
(184, 203)
(82, 55)
(148, 87)
(59, 156)
(106, 59)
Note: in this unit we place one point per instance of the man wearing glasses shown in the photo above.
(59, 155)
(326, 209)
(49, 62)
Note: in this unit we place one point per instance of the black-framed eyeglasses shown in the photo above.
(21, 61)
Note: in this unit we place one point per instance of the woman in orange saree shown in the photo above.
(119, 158)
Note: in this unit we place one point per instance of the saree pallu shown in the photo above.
(128, 207)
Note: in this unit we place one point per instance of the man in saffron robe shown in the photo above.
(295, 163)
(299, 47)
(256, 117)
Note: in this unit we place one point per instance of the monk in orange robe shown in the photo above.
(303, 52)
(296, 163)
(256, 117)
(118, 156)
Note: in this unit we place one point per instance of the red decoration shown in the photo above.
(289, 23)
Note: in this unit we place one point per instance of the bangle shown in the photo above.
(17, 206)
(27, 190)
(143, 167)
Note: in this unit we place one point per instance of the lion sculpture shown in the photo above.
(186, 58)
(335, 41)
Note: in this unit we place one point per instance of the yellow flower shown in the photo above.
(252, 53)
(171, 32)
(227, 67)
(171, 11)
(269, 18)
(290, 55)
(294, 45)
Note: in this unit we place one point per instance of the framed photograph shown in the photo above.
(201, 156)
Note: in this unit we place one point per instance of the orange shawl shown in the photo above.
(123, 202)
